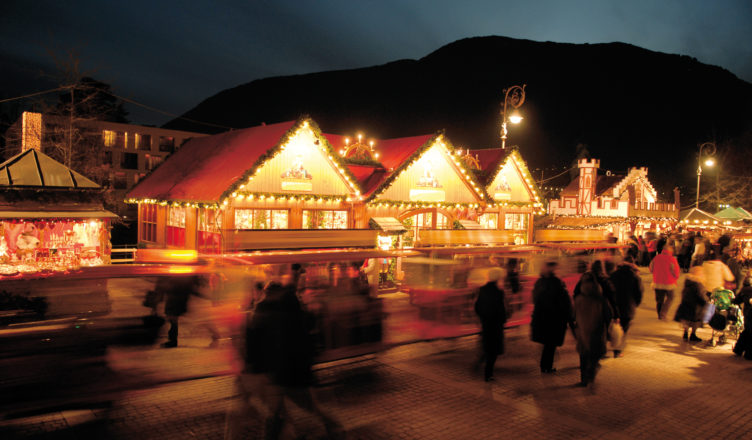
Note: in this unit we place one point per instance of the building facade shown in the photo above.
(291, 185)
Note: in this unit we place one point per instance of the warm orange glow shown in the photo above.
(515, 118)
(709, 162)
(166, 256)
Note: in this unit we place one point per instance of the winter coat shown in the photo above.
(592, 314)
(694, 298)
(665, 270)
(742, 300)
(177, 292)
(606, 289)
(493, 315)
(278, 340)
(627, 290)
(716, 275)
(552, 311)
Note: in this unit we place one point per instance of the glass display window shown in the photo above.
(324, 219)
(516, 221)
(261, 219)
(489, 220)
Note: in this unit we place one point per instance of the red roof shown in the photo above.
(489, 158)
(203, 168)
(392, 153)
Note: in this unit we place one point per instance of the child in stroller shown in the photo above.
(725, 318)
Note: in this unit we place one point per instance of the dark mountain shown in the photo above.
(631, 106)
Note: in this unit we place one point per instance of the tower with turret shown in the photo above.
(588, 177)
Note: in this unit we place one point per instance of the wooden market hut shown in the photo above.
(288, 185)
(49, 212)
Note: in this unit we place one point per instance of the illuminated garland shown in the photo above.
(301, 124)
(449, 148)
(285, 197)
(417, 204)
(174, 203)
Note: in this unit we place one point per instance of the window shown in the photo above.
(148, 222)
(167, 143)
(320, 219)
(515, 221)
(109, 137)
(261, 219)
(489, 220)
(107, 159)
(209, 230)
(129, 161)
(153, 161)
(175, 233)
(142, 141)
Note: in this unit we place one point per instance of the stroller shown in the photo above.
(726, 318)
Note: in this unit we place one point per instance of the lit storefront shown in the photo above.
(51, 218)
(272, 186)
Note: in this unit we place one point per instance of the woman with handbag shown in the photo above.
(694, 299)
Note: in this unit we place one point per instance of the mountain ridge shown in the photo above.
(630, 105)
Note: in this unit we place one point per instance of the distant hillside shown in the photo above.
(631, 106)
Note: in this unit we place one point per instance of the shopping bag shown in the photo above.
(615, 334)
(707, 312)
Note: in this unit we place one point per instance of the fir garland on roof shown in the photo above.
(417, 155)
(272, 152)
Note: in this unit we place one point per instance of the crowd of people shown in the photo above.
(716, 292)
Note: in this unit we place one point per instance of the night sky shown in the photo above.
(173, 54)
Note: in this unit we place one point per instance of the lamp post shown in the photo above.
(708, 150)
(513, 96)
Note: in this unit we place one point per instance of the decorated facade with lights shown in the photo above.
(622, 204)
(217, 193)
(51, 217)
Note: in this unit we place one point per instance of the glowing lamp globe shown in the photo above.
(709, 162)
(515, 118)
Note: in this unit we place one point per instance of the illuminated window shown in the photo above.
(515, 221)
(109, 137)
(148, 218)
(176, 217)
(261, 219)
(489, 220)
(142, 141)
(153, 161)
(175, 233)
(210, 220)
(321, 219)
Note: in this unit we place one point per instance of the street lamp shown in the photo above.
(513, 96)
(707, 150)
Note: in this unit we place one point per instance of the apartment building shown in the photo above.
(131, 151)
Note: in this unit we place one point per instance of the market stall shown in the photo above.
(51, 217)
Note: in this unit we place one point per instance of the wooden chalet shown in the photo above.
(288, 185)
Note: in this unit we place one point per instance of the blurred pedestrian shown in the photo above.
(179, 290)
(690, 310)
(592, 314)
(627, 295)
(490, 307)
(279, 345)
(597, 272)
(666, 271)
(512, 286)
(743, 345)
(552, 312)
(698, 254)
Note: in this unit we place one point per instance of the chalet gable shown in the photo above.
(433, 174)
(511, 182)
(302, 163)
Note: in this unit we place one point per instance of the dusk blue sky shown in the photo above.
(173, 54)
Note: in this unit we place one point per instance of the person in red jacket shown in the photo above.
(666, 272)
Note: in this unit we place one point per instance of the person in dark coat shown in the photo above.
(178, 290)
(628, 292)
(694, 298)
(492, 312)
(598, 273)
(552, 312)
(278, 344)
(744, 300)
(592, 315)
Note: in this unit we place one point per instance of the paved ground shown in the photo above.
(661, 388)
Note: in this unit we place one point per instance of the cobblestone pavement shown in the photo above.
(661, 388)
